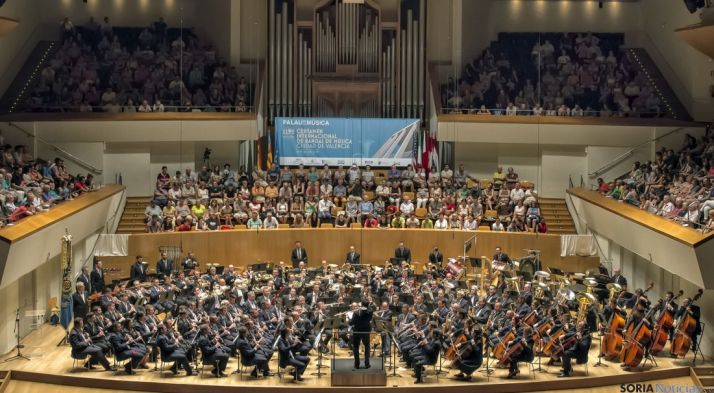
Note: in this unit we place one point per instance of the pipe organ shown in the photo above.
(351, 59)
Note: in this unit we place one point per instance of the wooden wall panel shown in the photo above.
(243, 247)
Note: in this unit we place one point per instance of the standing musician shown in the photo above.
(82, 347)
(361, 323)
(164, 266)
(385, 315)
(353, 257)
(288, 347)
(436, 257)
(138, 270)
(579, 351)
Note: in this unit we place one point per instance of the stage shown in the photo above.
(53, 365)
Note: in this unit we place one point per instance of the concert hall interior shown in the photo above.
(510, 195)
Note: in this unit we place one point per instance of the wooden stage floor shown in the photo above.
(55, 363)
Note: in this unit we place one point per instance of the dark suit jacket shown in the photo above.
(138, 272)
(97, 281)
(164, 267)
(87, 283)
(403, 253)
(361, 321)
(353, 259)
(294, 256)
(80, 306)
(77, 341)
(436, 258)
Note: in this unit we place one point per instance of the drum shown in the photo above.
(455, 267)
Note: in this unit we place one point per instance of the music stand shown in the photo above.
(316, 345)
(394, 355)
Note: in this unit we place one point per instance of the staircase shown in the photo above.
(705, 376)
(29, 74)
(671, 105)
(557, 216)
(132, 220)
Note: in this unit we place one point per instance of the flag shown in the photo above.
(269, 155)
(259, 161)
(432, 161)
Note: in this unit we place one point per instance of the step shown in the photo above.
(706, 380)
(704, 370)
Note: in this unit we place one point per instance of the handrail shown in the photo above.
(532, 112)
(58, 149)
(628, 153)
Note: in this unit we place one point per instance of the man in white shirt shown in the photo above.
(270, 222)
(442, 222)
(498, 226)
(367, 178)
(323, 208)
(517, 194)
(407, 207)
(447, 174)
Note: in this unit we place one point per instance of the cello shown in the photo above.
(612, 339)
(682, 341)
(500, 348)
(633, 351)
(453, 350)
(513, 350)
(665, 321)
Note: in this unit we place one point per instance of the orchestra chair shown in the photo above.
(205, 362)
(289, 369)
(120, 363)
(420, 213)
(283, 226)
(244, 365)
(585, 366)
(698, 352)
(162, 362)
(78, 359)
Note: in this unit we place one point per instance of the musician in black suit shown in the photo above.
(436, 257)
(402, 252)
(425, 353)
(82, 347)
(473, 360)
(138, 270)
(213, 352)
(692, 309)
(288, 344)
(164, 266)
(171, 350)
(579, 351)
(501, 256)
(385, 315)
(618, 278)
(126, 348)
(83, 277)
(97, 277)
(252, 355)
(361, 323)
(298, 255)
(526, 355)
(79, 301)
(353, 256)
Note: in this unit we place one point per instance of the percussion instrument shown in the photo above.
(455, 267)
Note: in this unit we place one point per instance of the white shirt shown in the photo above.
(324, 205)
(407, 207)
(441, 223)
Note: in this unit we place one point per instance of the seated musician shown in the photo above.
(127, 345)
(481, 311)
(492, 296)
(579, 351)
(213, 351)
(171, 350)
(425, 353)
(82, 347)
(318, 319)
(472, 350)
(94, 327)
(500, 256)
(692, 309)
(638, 316)
(496, 315)
(522, 308)
(288, 347)
(561, 328)
(252, 354)
(525, 337)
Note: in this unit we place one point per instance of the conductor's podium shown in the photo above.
(344, 373)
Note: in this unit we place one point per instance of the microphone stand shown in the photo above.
(19, 346)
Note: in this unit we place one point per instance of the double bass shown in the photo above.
(635, 346)
(665, 321)
(682, 341)
(612, 339)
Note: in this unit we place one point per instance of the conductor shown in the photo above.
(361, 327)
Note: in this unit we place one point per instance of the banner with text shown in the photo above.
(343, 141)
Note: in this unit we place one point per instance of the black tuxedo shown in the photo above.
(403, 253)
(353, 258)
(298, 255)
(579, 352)
(164, 267)
(80, 305)
(361, 324)
(96, 277)
(619, 279)
(436, 258)
(138, 272)
(501, 257)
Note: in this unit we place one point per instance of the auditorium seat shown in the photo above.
(420, 213)
(285, 226)
(408, 196)
(326, 225)
(484, 228)
(490, 214)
